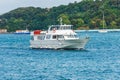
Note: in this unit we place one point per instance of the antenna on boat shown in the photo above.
(60, 21)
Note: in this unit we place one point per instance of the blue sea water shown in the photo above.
(99, 61)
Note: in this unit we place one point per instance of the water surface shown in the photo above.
(100, 60)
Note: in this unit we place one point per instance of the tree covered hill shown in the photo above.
(87, 14)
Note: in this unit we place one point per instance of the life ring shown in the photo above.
(54, 30)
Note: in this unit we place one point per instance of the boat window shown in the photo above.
(41, 37)
(72, 36)
(48, 36)
(60, 36)
(53, 28)
(32, 38)
(54, 36)
(76, 36)
(68, 27)
(65, 27)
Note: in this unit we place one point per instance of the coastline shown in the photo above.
(90, 30)
(97, 30)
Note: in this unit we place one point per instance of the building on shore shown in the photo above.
(3, 30)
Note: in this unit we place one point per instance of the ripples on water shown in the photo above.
(100, 60)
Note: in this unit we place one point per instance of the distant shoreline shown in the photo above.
(96, 30)
(90, 30)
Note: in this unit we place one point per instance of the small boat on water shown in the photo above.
(57, 37)
(102, 31)
(22, 32)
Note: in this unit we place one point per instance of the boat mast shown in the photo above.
(103, 18)
(103, 13)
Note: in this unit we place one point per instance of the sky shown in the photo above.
(8, 5)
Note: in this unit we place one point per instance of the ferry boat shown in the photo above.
(57, 37)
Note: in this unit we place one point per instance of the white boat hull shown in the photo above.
(102, 31)
(59, 44)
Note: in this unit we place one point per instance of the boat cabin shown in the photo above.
(55, 32)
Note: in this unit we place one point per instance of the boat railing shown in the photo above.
(60, 27)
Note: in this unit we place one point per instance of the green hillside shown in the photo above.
(86, 14)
